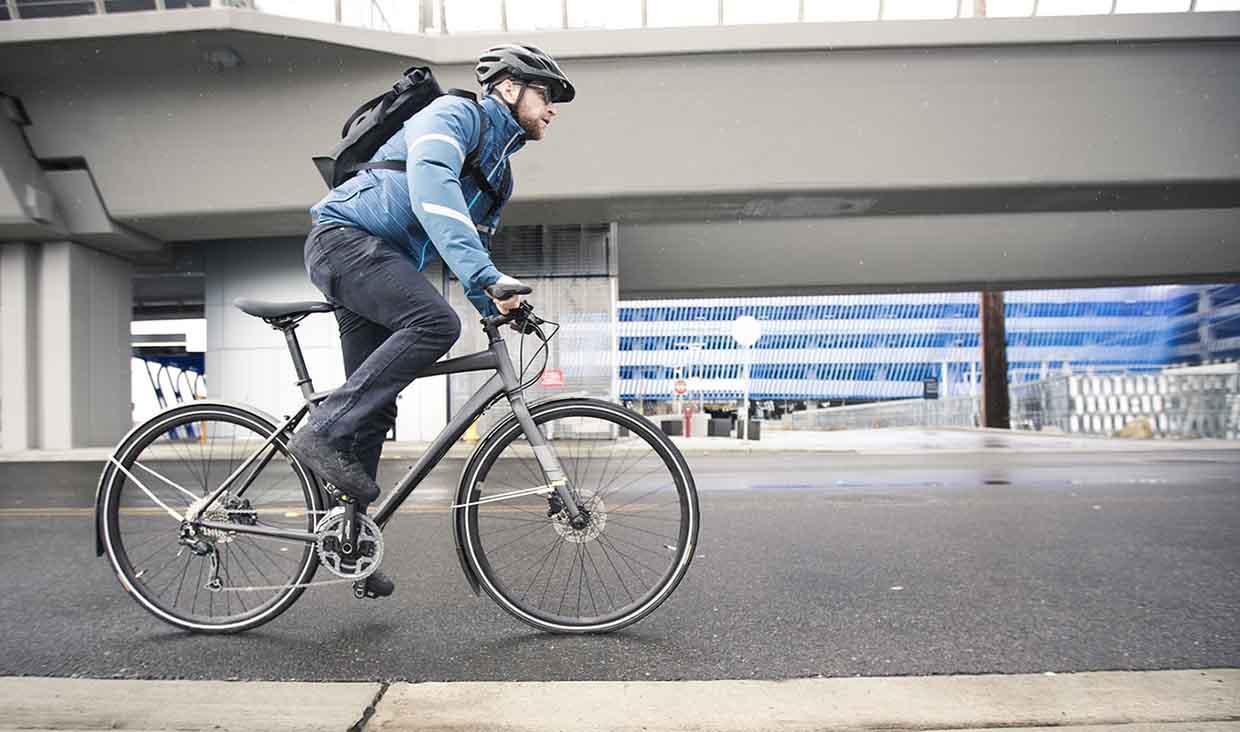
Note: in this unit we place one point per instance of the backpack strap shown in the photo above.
(473, 161)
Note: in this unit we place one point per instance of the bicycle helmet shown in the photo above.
(524, 63)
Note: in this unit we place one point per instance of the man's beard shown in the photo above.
(533, 128)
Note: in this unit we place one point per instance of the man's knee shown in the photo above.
(454, 326)
(445, 326)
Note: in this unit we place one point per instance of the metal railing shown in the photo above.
(953, 412)
(444, 16)
(1169, 405)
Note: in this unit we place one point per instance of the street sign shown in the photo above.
(746, 330)
(680, 387)
(552, 377)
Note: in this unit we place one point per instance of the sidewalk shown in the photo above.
(890, 441)
(1181, 701)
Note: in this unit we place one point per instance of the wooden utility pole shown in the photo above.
(995, 405)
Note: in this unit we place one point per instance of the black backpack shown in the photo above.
(376, 121)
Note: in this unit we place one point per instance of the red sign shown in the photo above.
(681, 387)
(552, 377)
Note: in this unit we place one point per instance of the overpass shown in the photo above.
(775, 159)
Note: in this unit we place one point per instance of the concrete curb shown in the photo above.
(1185, 701)
(913, 703)
(106, 704)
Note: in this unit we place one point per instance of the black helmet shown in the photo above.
(524, 63)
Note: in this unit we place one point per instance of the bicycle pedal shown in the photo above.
(374, 587)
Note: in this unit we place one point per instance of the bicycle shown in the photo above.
(531, 489)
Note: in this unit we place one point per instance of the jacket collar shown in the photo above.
(505, 125)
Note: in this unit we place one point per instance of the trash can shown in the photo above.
(755, 430)
(719, 427)
(673, 426)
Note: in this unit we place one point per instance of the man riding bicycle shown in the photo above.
(374, 234)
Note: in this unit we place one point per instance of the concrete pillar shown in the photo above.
(19, 335)
(995, 407)
(85, 308)
(65, 323)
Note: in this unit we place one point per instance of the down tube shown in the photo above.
(444, 442)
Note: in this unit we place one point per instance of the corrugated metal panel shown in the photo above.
(552, 251)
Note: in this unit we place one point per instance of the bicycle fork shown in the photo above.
(557, 481)
(556, 488)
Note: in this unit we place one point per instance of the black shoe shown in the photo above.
(376, 585)
(337, 467)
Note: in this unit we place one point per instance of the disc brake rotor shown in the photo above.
(588, 499)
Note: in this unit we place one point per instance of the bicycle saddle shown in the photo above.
(266, 309)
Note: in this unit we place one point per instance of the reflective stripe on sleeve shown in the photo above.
(434, 208)
(435, 136)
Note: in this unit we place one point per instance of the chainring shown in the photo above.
(367, 553)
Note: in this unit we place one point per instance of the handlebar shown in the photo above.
(522, 318)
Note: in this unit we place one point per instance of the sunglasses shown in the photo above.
(542, 91)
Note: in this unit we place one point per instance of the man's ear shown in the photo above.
(507, 90)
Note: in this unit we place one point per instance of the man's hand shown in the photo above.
(507, 293)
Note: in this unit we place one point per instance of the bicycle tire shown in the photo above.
(281, 491)
(596, 550)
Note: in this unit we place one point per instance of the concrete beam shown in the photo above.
(592, 43)
(926, 253)
(28, 210)
(86, 218)
(950, 137)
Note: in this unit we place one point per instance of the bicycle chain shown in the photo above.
(295, 585)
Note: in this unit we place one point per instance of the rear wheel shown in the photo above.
(634, 547)
(178, 457)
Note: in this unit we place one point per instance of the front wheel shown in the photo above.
(641, 509)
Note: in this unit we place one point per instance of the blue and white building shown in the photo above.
(872, 347)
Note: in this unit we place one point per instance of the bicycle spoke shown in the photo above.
(163, 475)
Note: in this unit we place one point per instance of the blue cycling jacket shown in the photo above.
(430, 209)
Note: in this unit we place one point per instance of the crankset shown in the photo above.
(351, 553)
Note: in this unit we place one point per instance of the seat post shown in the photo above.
(299, 363)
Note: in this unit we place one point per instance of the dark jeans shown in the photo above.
(393, 323)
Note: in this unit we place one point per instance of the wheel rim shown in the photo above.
(615, 569)
(192, 453)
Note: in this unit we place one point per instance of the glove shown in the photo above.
(507, 292)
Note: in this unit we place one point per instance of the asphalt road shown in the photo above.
(808, 565)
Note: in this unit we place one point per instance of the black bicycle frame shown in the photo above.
(504, 382)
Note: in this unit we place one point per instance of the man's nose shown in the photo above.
(551, 110)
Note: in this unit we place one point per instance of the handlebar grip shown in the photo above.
(499, 291)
